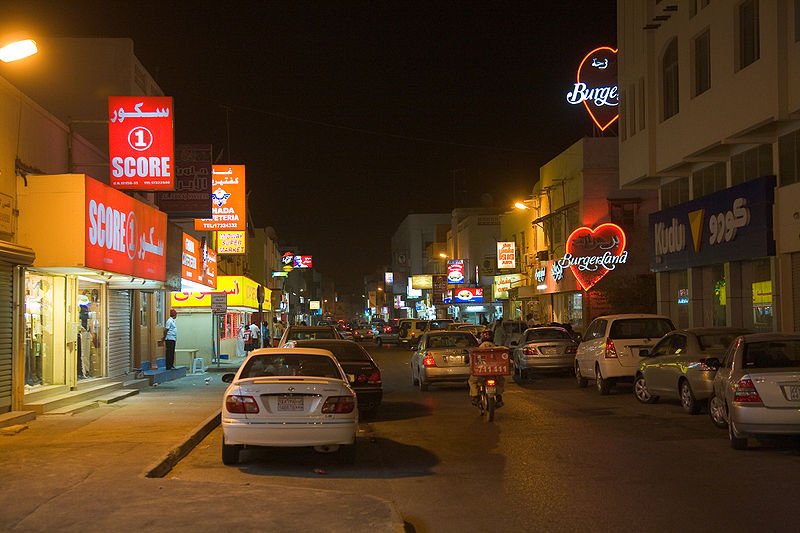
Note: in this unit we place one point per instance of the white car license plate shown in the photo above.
(454, 359)
(290, 404)
(549, 350)
(793, 392)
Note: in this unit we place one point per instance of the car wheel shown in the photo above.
(603, 385)
(716, 411)
(688, 401)
(737, 443)
(379, 342)
(230, 453)
(423, 386)
(582, 381)
(348, 453)
(640, 390)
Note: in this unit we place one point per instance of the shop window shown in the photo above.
(751, 164)
(761, 287)
(45, 362)
(719, 296)
(711, 179)
(789, 157)
(669, 81)
(702, 63)
(748, 33)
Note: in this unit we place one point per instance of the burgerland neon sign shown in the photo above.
(592, 253)
(596, 86)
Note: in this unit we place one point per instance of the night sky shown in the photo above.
(351, 115)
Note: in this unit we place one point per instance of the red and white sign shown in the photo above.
(209, 264)
(302, 261)
(227, 200)
(596, 86)
(190, 259)
(140, 142)
(592, 253)
(455, 271)
(506, 255)
(124, 235)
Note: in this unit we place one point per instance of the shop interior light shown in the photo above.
(18, 50)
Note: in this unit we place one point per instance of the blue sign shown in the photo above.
(730, 225)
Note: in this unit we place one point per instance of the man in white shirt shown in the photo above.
(254, 336)
(170, 338)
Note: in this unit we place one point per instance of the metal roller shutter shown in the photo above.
(6, 332)
(796, 290)
(119, 332)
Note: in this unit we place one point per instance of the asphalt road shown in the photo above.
(556, 458)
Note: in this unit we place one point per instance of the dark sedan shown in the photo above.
(357, 362)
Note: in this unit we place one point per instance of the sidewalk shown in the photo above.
(86, 472)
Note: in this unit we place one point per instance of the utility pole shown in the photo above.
(453, 173)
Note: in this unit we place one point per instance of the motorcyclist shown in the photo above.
(486, 342)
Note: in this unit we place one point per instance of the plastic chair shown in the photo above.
(198, 366)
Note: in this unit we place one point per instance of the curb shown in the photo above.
(173, 457)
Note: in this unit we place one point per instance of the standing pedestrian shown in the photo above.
(240, 349)
(499, 333)
(170, 338)
(254, 336)
(277, 331)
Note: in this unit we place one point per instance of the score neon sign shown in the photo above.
(596, 86)
(592, 253)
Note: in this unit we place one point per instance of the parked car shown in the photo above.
(676, 367)
(362, 333)
(289, 397)
(545, 348)
(441, 356)
(439, 324)
(356, 362)
(475, 329)
(757, 387)
(610, 349)
(514, 330)
(345, 331)
(297, 333)
(388, 334)
(411, 329)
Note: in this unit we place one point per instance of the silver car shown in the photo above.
(757, 387)
(677, 366)
(441, 356)
(544, 348)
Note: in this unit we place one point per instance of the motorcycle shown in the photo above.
(487, 367)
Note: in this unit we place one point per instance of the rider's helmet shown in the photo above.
(485, 336)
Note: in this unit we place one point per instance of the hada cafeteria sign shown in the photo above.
(596, 86)
(729, 225)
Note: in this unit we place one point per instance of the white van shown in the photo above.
(411, 329)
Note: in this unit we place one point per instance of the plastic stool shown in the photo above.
(198, 366)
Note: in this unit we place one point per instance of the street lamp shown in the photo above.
(524, 204)
(443, 255)
(18, 50)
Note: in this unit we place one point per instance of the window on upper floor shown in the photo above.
(751, 164)
(623, 212)
(669, 81)
(642, 109)
(696, 5)
(710, 179)
(632, 109)
(789, 158)
(702, 62)
(674, 193)
(748, 34)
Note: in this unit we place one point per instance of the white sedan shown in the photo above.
(289, 397)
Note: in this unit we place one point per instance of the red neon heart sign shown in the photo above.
(593, 253)
(596, 86)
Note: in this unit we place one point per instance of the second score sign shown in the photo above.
(140, 143)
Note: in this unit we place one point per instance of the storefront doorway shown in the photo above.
(91, 360)
(45, 319)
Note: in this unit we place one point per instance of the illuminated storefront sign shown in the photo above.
(291, 261)
(733, 224)
(591, 254)
(503, 283)
(302, 261)
(422, 281)
(140, 142)
(227, 200)
(506, 255)
(596, 86)
(230, 243)
(467, 294)
(123, 235)
(314, 305)
(388, 278)
(241, 291)
(455, 271)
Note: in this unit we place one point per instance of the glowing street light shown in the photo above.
(443, 255)
(18, 50)
(520, 205)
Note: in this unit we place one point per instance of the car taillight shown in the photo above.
(490, 383)
(413, 333)
(241, 404)
(745, 392)
(571, 350)
(428, 360)
(530, 350)
(611, 350)
(339, 404)
(375, 377)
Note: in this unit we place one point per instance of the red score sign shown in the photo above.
(140, 142)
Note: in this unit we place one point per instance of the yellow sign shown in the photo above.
(503, 283)
(241, 291)
(230, 242)
(422, 281)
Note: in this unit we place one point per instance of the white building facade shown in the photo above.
(710, 116)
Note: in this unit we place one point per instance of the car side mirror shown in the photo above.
(228, 378)
(713, 363)
(351, 378)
